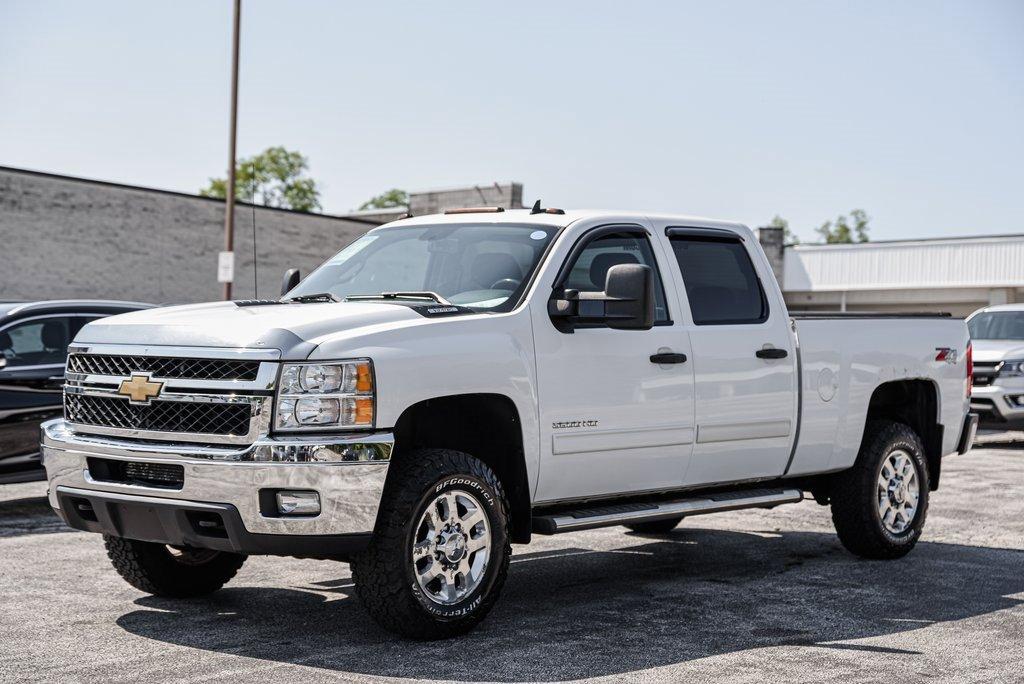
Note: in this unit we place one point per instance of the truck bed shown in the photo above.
(816, 315)
(844, 357)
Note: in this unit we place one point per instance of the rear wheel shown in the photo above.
(879, 506)
(440, 553)
(656, 526)
(171, 571)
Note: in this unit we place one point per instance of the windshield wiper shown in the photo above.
(317, 297)
(425, 294)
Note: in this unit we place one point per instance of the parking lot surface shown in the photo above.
(749, 596)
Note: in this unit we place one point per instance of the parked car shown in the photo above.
(997, 333)
(34, 338)
(446, 385)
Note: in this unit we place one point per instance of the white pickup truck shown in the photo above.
(446, 385)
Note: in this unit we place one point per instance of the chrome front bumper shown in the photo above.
(998, 403)
(348, 471)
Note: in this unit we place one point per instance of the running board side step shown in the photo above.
(625, 514)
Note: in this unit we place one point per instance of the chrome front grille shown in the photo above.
(223, 398)
(158, 416)
(163, 366)
(985, 372)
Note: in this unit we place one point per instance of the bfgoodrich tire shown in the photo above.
(440, 552)
(879, 506)
(170, 572)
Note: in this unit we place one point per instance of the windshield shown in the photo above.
(997, 325)
(484, 267)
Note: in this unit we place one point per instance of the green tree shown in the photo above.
(788, 236)
(842, 231)
(387, 200)
(274, 178)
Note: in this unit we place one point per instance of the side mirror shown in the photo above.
(290, 280)
(627, 302)
(629, 293)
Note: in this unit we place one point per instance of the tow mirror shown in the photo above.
(291, 278)
(627, 302)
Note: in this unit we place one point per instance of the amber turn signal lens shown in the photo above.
(364, 412)
(364, 379)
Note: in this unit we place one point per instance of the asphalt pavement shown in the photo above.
(750, 596)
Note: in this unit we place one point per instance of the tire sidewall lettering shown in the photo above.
(466, 481)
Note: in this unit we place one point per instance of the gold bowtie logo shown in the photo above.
(140, 389)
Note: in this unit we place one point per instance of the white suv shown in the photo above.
(997, 334)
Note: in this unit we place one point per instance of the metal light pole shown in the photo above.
(226, 272)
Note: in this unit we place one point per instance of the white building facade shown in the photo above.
(955, 275)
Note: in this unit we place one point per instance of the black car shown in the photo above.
(34, 338)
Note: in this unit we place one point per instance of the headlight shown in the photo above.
(1012, 368)
(324, 396)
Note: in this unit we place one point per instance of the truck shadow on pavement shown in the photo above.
(576, 612)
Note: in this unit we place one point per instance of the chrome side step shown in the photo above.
(624, 514)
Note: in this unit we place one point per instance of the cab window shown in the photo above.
(590, 271)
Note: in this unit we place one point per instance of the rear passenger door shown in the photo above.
(743, 355)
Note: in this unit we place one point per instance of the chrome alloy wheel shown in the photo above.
(187, 555)
(451, 547)
(898, 491)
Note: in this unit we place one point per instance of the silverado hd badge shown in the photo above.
(563, 424)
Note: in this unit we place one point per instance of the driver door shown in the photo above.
(612, 421)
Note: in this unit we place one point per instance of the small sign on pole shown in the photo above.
(225, 267)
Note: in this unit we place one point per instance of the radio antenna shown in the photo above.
(255, 265)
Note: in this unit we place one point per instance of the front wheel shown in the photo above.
(440, 552)
(171, 571)
(879, 505)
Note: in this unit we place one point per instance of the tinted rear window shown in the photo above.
(720, 280)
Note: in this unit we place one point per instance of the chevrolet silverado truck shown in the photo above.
(997, 336)
(447, 385)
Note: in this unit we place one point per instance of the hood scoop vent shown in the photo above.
(257, 302)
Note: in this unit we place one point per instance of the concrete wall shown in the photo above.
(773, 242)
(507, 195)
(62, 237)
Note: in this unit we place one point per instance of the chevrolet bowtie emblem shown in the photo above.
(140, 389)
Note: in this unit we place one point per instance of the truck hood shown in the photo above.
(292, 329)
(997, 350)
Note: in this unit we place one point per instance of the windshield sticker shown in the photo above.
(538, 235)
(353, 249)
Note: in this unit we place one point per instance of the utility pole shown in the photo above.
(226, 263)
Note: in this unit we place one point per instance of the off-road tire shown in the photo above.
(383, 573)
(656, 526)
(158, 570)
(854, 494)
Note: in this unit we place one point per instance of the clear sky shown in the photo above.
(913, 111)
